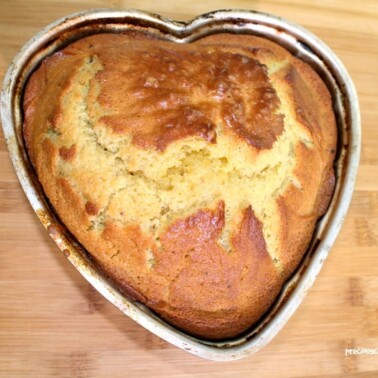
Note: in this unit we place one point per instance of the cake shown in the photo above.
(192, 173)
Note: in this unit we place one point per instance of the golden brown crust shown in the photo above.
(185, 81)
(67, 153)
(140, 127)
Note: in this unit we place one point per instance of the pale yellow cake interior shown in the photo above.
(153, 188)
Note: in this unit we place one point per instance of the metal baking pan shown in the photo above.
(302, 44)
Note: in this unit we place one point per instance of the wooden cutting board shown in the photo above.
(53, 324)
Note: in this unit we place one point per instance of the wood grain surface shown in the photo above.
(53, 324)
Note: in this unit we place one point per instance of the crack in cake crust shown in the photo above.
(75, 101)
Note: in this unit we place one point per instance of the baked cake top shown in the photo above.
(192, 173)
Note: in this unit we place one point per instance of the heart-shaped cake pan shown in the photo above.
(300, 43)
